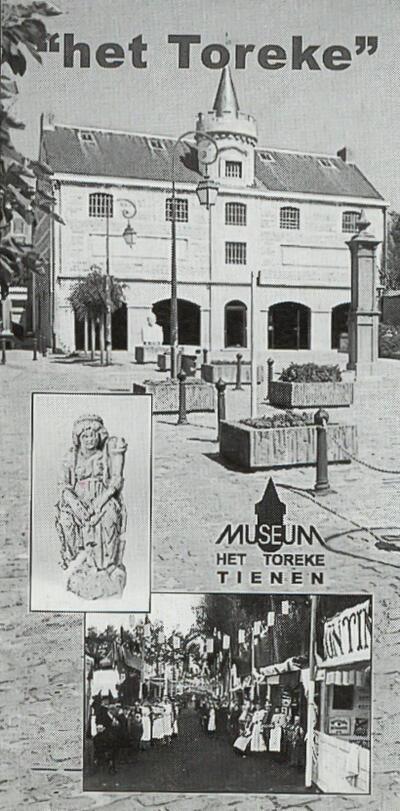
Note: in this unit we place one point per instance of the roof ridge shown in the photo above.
(299, 152)
(85, 128)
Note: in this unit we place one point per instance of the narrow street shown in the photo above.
(195, 762)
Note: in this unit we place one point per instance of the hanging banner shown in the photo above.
(226, 641)
(210, 645)
(257, 628)
(285, 607)
(176, 642)
(347, 636)
(270, 619)
(241, 636)
(147, 630)
(161, 637)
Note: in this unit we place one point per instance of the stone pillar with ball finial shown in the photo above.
(364, 311)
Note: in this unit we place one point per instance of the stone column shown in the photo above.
(364, 312)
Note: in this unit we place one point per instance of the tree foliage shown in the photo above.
(23, 182)
(88, 296)
(392, 280)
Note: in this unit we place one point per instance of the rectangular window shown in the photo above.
(349, 221)
(181, 209)
(235, 214)
(343, 697)
(289, 217)
(233, 169)
(100, 204)
(235, 253)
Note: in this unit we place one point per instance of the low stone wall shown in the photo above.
(285, 394)
(251, 448)
(199, 396)
(211, 372)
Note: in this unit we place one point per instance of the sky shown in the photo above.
(318, 111)
(175, 610)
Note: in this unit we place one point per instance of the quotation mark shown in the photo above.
(370, 44)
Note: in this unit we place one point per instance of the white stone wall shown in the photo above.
(310, 266)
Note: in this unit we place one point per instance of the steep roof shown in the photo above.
(108, 153)
(226, 100)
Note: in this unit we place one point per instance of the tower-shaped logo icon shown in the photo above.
(270, 512)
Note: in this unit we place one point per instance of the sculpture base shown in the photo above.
(93, 584)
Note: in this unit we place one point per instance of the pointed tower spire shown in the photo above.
(226, 100)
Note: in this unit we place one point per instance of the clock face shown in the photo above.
(207, 151)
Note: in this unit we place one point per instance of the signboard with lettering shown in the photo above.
(339, 726)
(347, 636)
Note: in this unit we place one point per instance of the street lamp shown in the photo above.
(128, 210)
(206, 191)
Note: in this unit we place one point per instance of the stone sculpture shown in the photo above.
(90, 514)
(152, 333)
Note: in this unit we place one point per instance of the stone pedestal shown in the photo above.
(364, 313)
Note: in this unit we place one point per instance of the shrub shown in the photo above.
(310, 373)
(284, 419)
(389, 341)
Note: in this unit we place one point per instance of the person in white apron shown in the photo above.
(257, 743)
(211, 725)
(158, 723)
(145, 740)
(167, 721)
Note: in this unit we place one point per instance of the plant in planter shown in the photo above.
(200, 396)
(389, 341)
(284, 439)
(309, 384)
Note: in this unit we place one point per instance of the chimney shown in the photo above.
(48, 121)
(346, 154)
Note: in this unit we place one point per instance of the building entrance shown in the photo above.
(188, 320)
(289, 326)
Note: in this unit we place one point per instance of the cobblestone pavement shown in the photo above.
(41, 666)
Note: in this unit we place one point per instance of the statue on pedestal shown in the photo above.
(91, 515)
(152, 333)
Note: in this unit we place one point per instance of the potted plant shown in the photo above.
(309, 384)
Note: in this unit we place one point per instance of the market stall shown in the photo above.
(341, 761)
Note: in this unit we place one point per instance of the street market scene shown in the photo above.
(219, 691)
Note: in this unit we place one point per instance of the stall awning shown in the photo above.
(272, 673)
(358, 676)
(347, 637)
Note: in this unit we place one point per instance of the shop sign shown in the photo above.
(339, 726)
(347, 637)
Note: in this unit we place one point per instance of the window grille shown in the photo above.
(235, 214)
(349, 221)
(289, 217)
(235, 253)
(233, 169)
(100, 204)
(181, 209)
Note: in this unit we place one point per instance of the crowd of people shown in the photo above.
(126, 731)
(256, 728)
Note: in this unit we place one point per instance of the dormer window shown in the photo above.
(86, 136)
(156, 143)
(267, 157)
(233, 169)
(327, 163)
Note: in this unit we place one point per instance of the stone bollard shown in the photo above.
(239, 386)
(205, 355)
(270, 375)
(34, 348)
(182, 418)
(221, 406)
(3, 351)
(322, 485)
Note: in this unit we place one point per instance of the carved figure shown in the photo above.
(90, 514)
(152, 333)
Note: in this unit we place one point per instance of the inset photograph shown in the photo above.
(230, 693)
(91, 502)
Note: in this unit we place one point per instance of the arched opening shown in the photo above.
(188, 320)
(119, 331)
(289, 326)
(339, 324)
(235, 324)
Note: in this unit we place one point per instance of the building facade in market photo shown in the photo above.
(283, 215)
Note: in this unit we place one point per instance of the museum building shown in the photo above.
(284, 215)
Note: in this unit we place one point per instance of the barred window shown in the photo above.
(235, 253)
(101, 204)
(349, 221)
(235, 214)
(233, 169)
(289, 217)
(181, 209)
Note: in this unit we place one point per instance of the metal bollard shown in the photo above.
(221, 405)
(205, 355)
(270, 375)
(34, 348)
(3, 351)
(322, 485)
(44, 346)
(182, 418)
(239, 386)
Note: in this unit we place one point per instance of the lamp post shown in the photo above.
(206, 191)
(128, 210)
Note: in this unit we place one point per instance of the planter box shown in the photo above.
(147, 353)
(164, 361)
(304, 395)
(199, 396)
(211, 372)
(251, 448)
